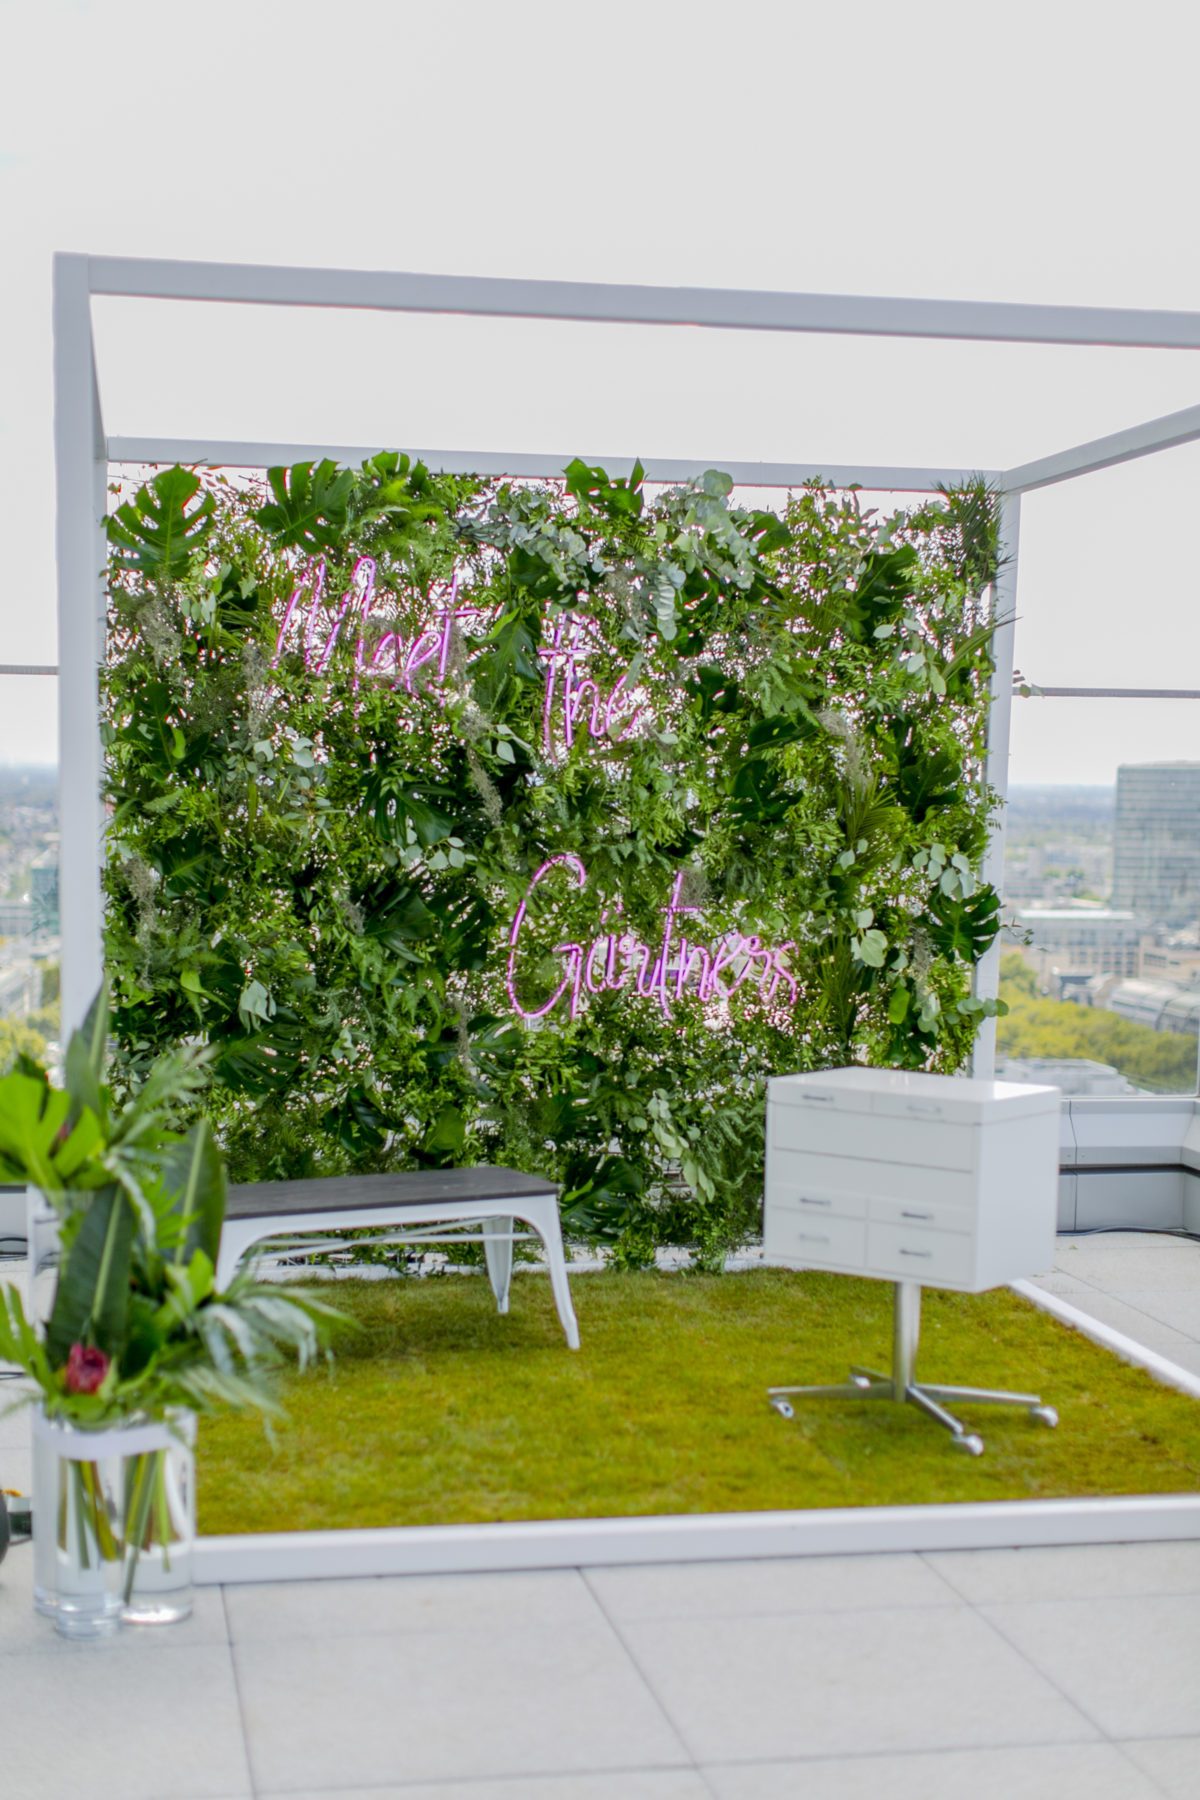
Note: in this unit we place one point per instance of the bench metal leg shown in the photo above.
(237, 1236)
(498, 1250)
(543, 1216)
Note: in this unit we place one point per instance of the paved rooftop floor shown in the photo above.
(1146, 1284)
(1065, 1674)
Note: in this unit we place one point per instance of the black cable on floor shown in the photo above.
(1175, 1231)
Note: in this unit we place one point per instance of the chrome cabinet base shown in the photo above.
(902, 1385)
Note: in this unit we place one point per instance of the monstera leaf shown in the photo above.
(925, 777)
(757, 793)
(396, 800)
(885, 583)
(46, 1140)
(155, 533)
(395, 914)
(400, 490)
(965, 928)
(616, 497)
(310, 505)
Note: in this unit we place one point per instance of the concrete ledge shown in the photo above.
(1128, 1349)
(574, 1543)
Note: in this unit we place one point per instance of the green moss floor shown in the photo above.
(437, 1411)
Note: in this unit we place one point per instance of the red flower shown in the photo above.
(86, 1369)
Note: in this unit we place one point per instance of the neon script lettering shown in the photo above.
(573, 703)
(582, 703)
(614, 960)
(390, 657)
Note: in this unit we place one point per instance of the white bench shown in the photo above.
(286, 1214)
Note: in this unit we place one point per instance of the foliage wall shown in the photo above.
(748, 745)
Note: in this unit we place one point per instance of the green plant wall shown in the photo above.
(538, 824)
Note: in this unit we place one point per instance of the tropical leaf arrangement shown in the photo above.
(138, 1328)
(338, 757)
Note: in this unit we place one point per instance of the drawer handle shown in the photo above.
(818, 1099)
(926, 1254)
(928, 1109)
(811, 1237)
(813, 1200)
(916, 1215)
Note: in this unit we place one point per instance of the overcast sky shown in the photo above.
(1021, 152)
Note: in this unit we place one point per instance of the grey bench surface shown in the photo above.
(410, 1187)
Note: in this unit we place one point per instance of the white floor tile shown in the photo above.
(1173, 1762)
(1151, 1333)
(1132, 1261)
(1065, 1282)
(1169, 1306)
(1042, 1772)
(1071, 1572)
(352, 1711)
(786, 1585)
(1131, 1664)
(628, 1784)
(25, 1633)
(404, 1603)
(829, 1684)
(170, 1732)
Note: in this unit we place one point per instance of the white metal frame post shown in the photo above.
(82, 452)
(81, 467)
(999, 728)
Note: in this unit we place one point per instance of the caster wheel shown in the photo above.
(1045, 1415)
(970, 1443)
(784, 1408)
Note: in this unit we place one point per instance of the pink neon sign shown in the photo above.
(573, 705)
(581, 705)
(392, 658)
(581, 701)
(616, 960)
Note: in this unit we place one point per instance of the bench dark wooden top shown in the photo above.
(411, 1187)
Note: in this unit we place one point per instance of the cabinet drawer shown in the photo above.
(926, 1215)
(816, 1202)
(819, 1242)
(918, 1255)
(850, 1175)
(873, 1137)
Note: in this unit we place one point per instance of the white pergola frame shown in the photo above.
(83, 453)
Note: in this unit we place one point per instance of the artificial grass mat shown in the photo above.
(437, 1411)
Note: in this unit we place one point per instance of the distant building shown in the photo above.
(1070, 940)
(1156, 850)
(1162, 1005)
(43, 893)
(16, 918)
(1074, 1075)
(20, 989)
(1178, 959)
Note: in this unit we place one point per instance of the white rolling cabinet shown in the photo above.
(921, 1180)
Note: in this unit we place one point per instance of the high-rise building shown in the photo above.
(43, 893)
(1156, 850)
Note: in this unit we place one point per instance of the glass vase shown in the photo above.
(113, 1523)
